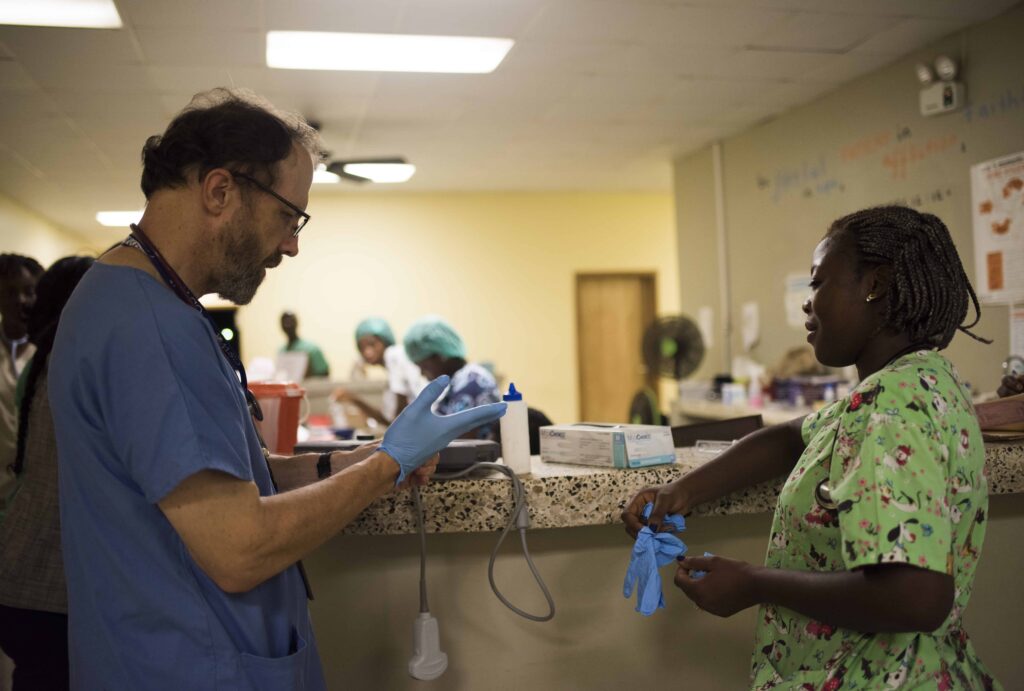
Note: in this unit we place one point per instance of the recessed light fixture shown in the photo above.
(322, 176)
(118, 219)
(384, 170)
(75, 14)
(316, 50)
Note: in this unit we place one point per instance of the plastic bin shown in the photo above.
(281, 403)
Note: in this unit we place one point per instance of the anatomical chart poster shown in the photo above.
(997, 193)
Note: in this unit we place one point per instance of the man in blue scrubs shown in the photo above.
(182, 556)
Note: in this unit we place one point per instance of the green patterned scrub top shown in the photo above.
(904, 459)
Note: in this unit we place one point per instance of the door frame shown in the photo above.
(579, 277)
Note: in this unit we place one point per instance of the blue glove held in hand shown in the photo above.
(417, 433)
(650, 551)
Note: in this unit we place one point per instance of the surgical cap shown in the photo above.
(375, 326)
(433, 336)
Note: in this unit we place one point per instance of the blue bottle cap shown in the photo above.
(512, 394)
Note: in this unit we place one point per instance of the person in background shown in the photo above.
(18, 277)
(317, 364)
(33, 595)
(438, 350)
(181, 534)
(879, 527)
(376, 343)
(1011, 385)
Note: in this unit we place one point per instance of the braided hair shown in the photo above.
(929, 290)
(52, 293)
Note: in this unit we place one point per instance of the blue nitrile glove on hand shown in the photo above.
(650, 551)
(417, 433)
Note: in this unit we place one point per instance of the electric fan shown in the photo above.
(672, 347)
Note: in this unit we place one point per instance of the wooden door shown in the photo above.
(612, 311)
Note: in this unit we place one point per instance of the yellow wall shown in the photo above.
(865, 144)
(499, 267)
(24, 232)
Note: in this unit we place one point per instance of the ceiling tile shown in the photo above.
(967, 10)
(498, 18)
(912, 31)
(846, 68)
(218, 49)
(13, 77)
(607, 20)
(39, 45)
(594, 94)
(212, 15)
(378, 16)
(772, 64)
(120, 78)
(321, 83)
(825, 32)
(51, 143)
(421, 109)
(25, 106)
(113, 109)
(198, 78)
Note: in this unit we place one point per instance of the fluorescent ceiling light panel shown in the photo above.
(323, 176)
(76, 14)
(315, 50)
(118, 219)
(381, 172)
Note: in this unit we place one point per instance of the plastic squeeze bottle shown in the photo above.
(515, 433)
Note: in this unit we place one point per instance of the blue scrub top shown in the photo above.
(142, 398)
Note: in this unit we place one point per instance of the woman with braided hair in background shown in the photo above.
(879, 526)
(33, 594)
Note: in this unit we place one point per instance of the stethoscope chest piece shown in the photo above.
(823, 495)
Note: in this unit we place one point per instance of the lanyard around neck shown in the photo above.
(140, 241)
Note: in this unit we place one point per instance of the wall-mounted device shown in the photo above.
(942, 95)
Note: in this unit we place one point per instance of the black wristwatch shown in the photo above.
(323, 465)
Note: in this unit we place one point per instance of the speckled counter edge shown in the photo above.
(593, 496)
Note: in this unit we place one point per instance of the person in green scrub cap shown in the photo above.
(437, 349)
(376, 343)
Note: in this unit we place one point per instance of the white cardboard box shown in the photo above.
(607, 445)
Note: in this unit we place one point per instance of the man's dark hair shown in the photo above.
(12, 264)
(929, 290)
(224, 128)
(52, 293)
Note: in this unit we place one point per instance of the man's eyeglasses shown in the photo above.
(303, 216)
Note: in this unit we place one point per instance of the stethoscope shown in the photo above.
(823, 491)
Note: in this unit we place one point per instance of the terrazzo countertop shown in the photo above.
(565, 496)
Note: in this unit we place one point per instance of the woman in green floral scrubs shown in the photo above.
(880, 524)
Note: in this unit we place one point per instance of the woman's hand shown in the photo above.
(727, 586)
(670, 498)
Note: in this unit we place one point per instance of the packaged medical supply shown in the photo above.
(607, 445)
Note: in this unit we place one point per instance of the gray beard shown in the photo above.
(243, 268)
